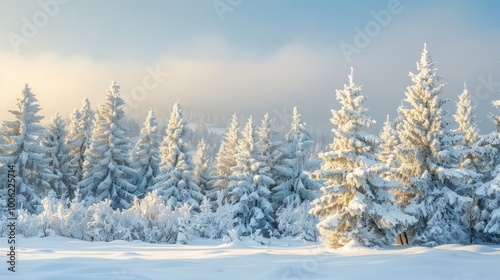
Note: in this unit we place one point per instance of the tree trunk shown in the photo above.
(403, 238)
(406, 238)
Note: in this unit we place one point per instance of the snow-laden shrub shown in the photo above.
(150, 220)
(157, 220)
(213, 224)
(184, 223)
(102, 221)
(27, 224)
(50, 219)
(297, 222)
(129, 226)
(60, 217)
(75, 219)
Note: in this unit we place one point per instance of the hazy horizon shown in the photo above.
(245, 57)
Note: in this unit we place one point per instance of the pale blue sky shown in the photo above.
(259, 56)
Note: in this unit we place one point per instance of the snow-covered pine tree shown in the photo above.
(488, 194)
(22, 149)
(175, 183)
(492, 227)
(270, 149)
(58, 156)
(75, 157)
(107, 159)
(469, 157)
(78, 141)
(426, 162)
(465, 117)
(387, 157)
(465, 136)
(248, 189)
(295, 186)
(146, 155)
(355, 204)
(390, 140)
(203, 173)
(488, 147)
(86, 125)
(226, 159)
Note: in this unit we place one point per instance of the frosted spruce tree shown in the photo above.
(226, 159)
(248, 191)
(175, 183)
(296, 187)
(107, 160)
(203, 173)
(78, 141)
(465, 136)
(73, 141)
(146, 155)
(471, 158)
(466, 119)
(488, 147)
(488, 194)
(22, 148)
(58, 156)
(270, 148)
(387, 156)
(426, 163)
(390, 140)
(355, 204)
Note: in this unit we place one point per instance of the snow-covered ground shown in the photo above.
(62, 258)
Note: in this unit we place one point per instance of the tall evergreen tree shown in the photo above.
(75, 157)
(78, 141)
(203, 173)
(248, 189)
(23, 149)
(355, 204)
(488, 194)
(226, 159)
(269, 147)
(176, 183)
(466, 119)
(107, 160)
(387, 156)
(58, 158)
(426, 162)
(390, 140)
(470, 156)
(86, 128)
(488, 149)
(296, 186)
(146, 155)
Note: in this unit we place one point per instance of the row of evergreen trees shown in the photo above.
(424, 181)
(256, 174)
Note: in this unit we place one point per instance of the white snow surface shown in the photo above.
(63, 258)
